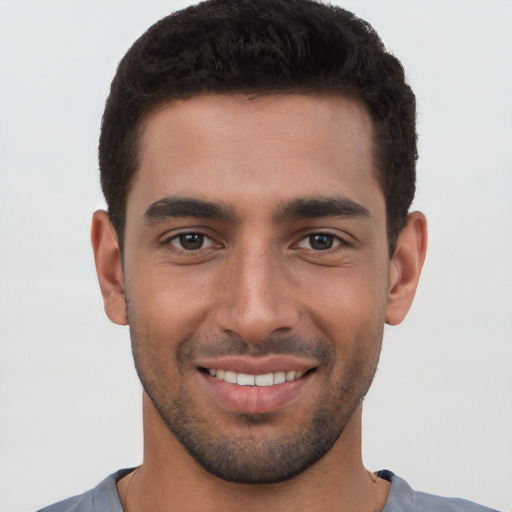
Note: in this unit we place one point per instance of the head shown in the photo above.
(260, 47)
(258, 162)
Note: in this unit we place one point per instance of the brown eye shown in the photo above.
(189, 241)
(321, 241)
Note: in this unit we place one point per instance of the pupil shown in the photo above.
(321, 242)
(191, 241)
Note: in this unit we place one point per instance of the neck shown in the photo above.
(169, 475)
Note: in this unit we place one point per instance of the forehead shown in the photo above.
(270, 148)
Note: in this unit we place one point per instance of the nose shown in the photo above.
(256, 297)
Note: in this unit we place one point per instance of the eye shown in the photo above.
(320, 242)
(191, 241)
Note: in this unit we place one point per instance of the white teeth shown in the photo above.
(245, 380)
(267, 379)
(279, 377)
(230, 377)
(264, 380)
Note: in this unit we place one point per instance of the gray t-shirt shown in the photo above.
(402, 498)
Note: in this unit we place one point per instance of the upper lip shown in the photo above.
(258, 365)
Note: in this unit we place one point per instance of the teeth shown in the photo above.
(230, 377)
(267, 379)
(279, 377)
(264, 380)
(245, 380)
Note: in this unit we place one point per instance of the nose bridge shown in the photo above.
(257, 299)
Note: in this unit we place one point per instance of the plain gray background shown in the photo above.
(439, 413)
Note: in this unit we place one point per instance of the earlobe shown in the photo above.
(108, 267)
(405, 267)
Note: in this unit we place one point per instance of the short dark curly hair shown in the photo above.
(261, 46)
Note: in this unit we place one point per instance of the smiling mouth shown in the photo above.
(261, 380)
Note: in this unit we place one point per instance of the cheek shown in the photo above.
(167, 306)
(156, 284)
(349, 307)
(349, 295)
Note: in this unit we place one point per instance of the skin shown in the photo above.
(270, 283)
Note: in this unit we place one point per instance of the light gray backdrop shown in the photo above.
(440, 410)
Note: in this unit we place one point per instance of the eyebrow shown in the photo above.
(308, 207)
(316, 207)
(175, 207)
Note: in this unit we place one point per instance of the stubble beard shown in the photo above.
(249, 457)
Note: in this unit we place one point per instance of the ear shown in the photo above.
(405, 267)
(108, 267)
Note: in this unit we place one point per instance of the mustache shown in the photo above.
(194, 348)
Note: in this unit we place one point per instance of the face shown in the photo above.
(256, 276)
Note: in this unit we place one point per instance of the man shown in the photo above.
(258, 161)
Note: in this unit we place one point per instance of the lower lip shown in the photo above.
(254, 399)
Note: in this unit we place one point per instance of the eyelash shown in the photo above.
(337, 243)
(179, 239)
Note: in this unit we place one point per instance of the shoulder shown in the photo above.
(402, 498)
(103, 498)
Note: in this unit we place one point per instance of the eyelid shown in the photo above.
(166, 241)
(339, 242)
(207, 242)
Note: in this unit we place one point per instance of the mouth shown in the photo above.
(259, 380)
(256, 387)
